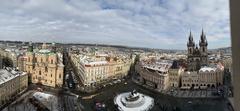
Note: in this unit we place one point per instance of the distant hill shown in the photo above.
(223, 50)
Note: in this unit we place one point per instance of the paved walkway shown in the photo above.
(192, 93)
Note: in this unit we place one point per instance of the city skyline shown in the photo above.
(153, 24)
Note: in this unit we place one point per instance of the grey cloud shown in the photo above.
(145, 23)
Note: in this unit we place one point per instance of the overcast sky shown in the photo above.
(145, 23)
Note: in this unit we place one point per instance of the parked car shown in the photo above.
(119, 80)
(189, 102)
(70, 85)
(39, 89)
(115, 82)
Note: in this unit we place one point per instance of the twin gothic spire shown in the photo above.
(202, 41)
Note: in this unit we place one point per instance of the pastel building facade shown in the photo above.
(93, 70)
(206, 77)
(45, 67)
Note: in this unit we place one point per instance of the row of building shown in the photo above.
(163, 75)
(195, 73)
(94, 69)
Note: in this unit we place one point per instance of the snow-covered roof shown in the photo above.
(48, 100)
(209, 69)
(102, 55)
(42, 96)
(6, 75)
(9, 50)
(161, 66)
(96, 63)
(44, 51)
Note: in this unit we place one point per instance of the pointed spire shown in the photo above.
(203, 40)
(203, 36)
(190, 36)
(190, 42)
(190, 32)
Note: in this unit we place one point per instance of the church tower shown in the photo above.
(197, 56)
(203, 49)
(190, 45)
(191, 51)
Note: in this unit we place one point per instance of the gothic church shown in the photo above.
(197, 56)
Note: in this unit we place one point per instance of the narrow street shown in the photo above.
(70, 100)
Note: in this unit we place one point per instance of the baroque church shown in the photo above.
(197, 56)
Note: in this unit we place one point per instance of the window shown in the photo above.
(51, 61)
(46, 69)
(40, 73)
(59, 76)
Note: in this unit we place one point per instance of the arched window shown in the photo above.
(40, 72)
